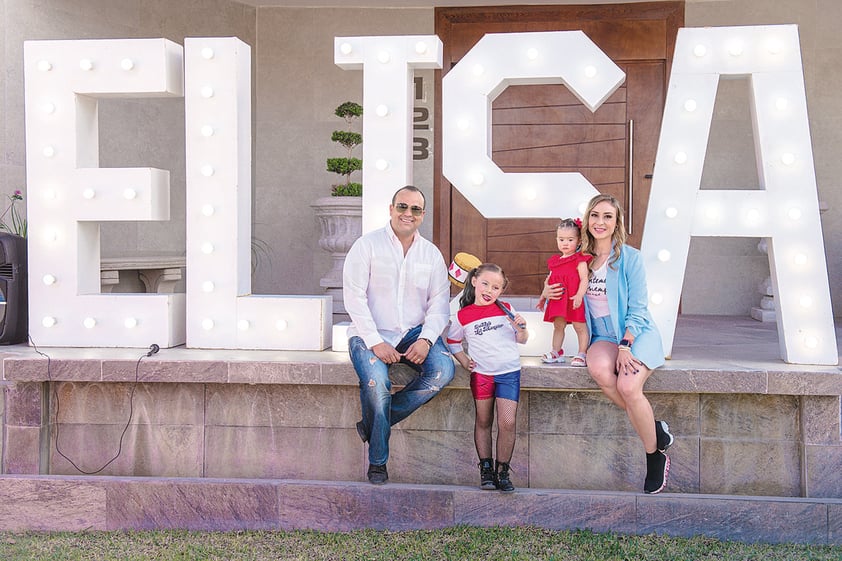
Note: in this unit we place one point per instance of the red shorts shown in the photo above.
(506, 386)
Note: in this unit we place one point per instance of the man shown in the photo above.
(397, 293)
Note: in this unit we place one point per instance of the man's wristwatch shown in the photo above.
(430, 343)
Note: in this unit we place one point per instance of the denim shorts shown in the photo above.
(506, 386)
(602, 330)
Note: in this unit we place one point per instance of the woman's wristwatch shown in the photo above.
(430, 343)
(625, 345)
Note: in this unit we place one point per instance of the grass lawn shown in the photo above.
(461, 542)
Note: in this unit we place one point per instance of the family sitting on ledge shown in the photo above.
(397, 293)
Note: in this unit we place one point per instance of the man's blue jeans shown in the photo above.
(380, 408)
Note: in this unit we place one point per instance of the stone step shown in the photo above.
(77, 503)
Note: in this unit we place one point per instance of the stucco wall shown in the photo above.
(298, 87)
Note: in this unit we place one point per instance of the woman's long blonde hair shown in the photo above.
(618, 238)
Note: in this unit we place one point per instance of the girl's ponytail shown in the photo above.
(469, 292)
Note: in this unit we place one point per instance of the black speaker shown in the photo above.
(14, 323)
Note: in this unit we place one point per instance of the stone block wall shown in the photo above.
(256, 420)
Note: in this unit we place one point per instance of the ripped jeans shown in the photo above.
(380, 408)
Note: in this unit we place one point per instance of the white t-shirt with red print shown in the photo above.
(491, 338)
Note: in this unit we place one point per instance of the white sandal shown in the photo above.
(579, 360)
(553, 357)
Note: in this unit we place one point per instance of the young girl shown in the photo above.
(491, 330)
(570, 270)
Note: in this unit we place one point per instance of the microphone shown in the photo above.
(509, 314)
(153, 348)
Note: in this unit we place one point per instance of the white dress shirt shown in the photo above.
(387, 293)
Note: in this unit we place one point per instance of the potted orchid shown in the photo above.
(16, 222)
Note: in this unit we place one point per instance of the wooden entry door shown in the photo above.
(544, 128)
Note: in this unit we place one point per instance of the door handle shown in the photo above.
(631, 176)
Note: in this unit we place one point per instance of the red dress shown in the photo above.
(564, 270)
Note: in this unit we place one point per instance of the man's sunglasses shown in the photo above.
(402, 207)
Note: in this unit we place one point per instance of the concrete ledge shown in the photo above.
(331, 368)
(69, 503)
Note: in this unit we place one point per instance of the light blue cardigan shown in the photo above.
(628, 298)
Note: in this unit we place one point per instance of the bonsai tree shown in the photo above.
(349, 111)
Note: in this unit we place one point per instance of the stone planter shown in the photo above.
(341, 223)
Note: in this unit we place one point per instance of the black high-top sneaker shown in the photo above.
(487, 475)
(504, 483)
(665, 437)
(657, 472)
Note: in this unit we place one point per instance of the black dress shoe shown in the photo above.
(377, 475)
(361, 431)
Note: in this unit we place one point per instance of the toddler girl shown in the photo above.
(570, 269)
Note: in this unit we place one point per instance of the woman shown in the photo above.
(625, 344)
